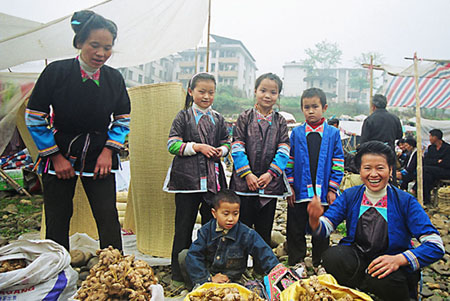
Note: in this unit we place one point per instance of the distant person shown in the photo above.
(91, 116)
(222, 247)
(199, 139)
(436, 163)
(315, 168)
(409, 174)
(382, 126)
(376, 255)
(260, 151)
(334, 122)
(402, 153)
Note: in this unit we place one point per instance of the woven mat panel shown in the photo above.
(129, 223)
(82, 219)
(153, 108)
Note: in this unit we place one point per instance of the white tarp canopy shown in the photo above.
(427, 125)
(147, 30)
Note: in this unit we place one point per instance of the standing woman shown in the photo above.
(90, 119)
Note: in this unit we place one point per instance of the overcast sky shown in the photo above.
(276, 32)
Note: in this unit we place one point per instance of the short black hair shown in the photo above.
(271, 76)
(333, 121)
(225, 195)
(85, 21)
(379, 101)
(314, 92)
(399, 141)
(375, 148)
(436, 133)
(411, 141)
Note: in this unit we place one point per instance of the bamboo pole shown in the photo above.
(207, 40)
(419, 135)
(371, 84)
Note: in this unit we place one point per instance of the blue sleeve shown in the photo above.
(337, 168)
(335, 214)
(196, 260)
(39, 128)
(238, 152)
(290, 164)
(259, 249)
(281, 157)
(431, 246)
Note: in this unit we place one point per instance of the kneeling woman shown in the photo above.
(377, 255)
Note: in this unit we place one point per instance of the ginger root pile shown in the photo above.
(12, 264)
(117, 277)
(223, 294)
(316, 291)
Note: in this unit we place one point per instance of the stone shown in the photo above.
(78, 258)
(427, 279)
(83, 275)
(426, 292)
(447, 249)
(3, 241)
(280, 251)
(25, 202)
(11, 208)
(433, 286)
(277, 238)
(435, 298)
(91, 262)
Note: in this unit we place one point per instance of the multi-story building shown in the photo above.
(340, 84)
(229, 61)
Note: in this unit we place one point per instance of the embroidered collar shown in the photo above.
(267, 118)
(309, 129)
(95, 77)
(199, 112)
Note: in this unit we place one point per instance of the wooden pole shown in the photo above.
(419, 135)
(371, 83)
(207, 40)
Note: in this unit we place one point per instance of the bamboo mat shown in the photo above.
(153, 109)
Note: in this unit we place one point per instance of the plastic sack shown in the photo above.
(48, 274)
(293, 292)
(245, 293)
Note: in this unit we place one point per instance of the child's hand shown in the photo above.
(252, 182)
(315, 210)
(291, 199)
(206, 149)
(331, 197)
(220, 278)
(264, 180)
(219, 152)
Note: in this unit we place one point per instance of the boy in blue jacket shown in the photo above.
(223, 244)
(315, 168)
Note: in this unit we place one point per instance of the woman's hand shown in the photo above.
(315, 211)
(264, 180)
(219, 152)
(104, 164)
(220, 278)
(64, 170)
(331, 197)
(252, 182)
(291, 198)
(206, 149)
(384, 265)
(399, 175)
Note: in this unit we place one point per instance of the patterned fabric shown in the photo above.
(39, 127)
(198, 114)
(95, 77)
(279, 279)
(260, 117)
(309, 129)
(380, 206)
(21, 159)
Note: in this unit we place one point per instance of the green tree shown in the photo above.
(324, 55)
(364, 58)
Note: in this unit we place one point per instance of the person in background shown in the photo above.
(409, 173)
(436, 163)
(401, 152)
(334, 122)
(199, 139)
(315, 168)
(91, 116)
(377, 255)
(382, 126)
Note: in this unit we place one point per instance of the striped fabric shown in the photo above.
(434, 88)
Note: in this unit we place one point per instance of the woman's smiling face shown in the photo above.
(374, 171)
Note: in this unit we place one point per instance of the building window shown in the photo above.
(141, 67)
(130, 74)
(213, 54)
(140, 78)
(221, 53)
(231, 82)
(160, 73)
(202, 58)
(202, 69)
(213, 67)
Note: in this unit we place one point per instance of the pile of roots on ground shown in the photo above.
(223, 294)
(117, 277)
(316, 291)
(12, 265)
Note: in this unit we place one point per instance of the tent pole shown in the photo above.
(207, 43)
(419, 136)
(371, 83)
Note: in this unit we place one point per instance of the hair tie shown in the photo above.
(75, 22)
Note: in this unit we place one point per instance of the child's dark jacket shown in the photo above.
(215, 252)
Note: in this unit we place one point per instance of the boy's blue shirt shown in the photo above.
(330, 165)
(216, 252)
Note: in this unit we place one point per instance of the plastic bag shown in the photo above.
(245, 293)
(294, 291)
(48, 273)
